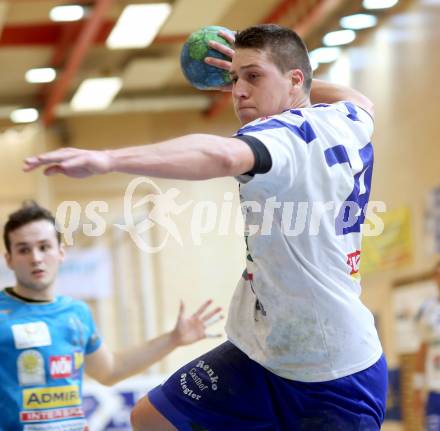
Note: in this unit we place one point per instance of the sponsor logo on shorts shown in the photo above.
(30, 368)
(57, 396)
(72, 425)
(60, 366)
(51, 415)
(186, 390)
(213, 377)
(198, 379)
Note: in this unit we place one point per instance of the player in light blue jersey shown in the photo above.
(48, 341)
(302, 351)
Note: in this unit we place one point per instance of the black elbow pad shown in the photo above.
(263, 159)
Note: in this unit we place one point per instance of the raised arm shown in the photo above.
(109, 368)
(326, 92)
(190, 157)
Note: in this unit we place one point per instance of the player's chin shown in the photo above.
(246, 115)
(42, 283)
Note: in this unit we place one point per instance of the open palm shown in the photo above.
(190, 329)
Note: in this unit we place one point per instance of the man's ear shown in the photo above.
(297, 77)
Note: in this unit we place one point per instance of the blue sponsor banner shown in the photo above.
(108, 408)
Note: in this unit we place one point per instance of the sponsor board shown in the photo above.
(109, 408)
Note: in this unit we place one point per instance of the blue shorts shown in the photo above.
(225, 390)
(432, 420)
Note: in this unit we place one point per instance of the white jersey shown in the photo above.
(296, 309)
(429, 330)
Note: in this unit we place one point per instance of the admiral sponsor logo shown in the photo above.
(51, 415)
(60, 366)
(57, 396)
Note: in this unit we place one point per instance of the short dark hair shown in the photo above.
(29, 212)
(287, 50)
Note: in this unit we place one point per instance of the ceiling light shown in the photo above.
(138, 25)
(96, 94)
(40, 75)
(358, 21)
(314, 64)
(379, 4)
(339, 37)
(26, 115)
(325, 55)
(65, 13)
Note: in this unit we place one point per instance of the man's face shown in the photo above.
(35, 255)
(259, 88)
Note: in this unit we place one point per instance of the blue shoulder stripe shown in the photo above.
(352, 113)
(336, 154)
(296, 112)
(305, 131)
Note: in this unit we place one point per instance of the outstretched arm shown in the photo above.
(109, 368)
(190, 157)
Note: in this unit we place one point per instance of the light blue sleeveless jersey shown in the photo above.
(42, 349)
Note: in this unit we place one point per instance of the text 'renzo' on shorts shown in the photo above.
(224, 390)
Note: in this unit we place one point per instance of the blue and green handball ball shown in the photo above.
(196, 48)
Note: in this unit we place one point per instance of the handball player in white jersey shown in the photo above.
(302, 350)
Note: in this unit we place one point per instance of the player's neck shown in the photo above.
(45, 295)
(302, 102)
